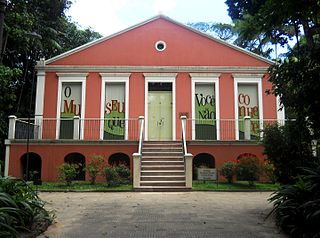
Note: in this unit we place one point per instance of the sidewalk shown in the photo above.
(185, 214)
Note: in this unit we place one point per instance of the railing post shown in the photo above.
(247, 128)
(141, 119)
(12, 127)
(136, 170)
(188, 169)
(76, 127)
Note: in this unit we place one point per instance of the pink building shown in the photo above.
(89, 101)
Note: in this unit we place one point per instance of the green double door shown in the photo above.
(160, 115)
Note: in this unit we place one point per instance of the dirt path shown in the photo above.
(189, 214)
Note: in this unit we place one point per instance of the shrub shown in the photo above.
(21, 210)
(115, 175)
(248, 169)
(123, 172)
(95, 168)
(67, 172)
(112, 176)
(288, 147)
(228, 170)
(297, 206)
(268, 170)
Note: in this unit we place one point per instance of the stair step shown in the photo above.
(162, 172)
(162, 149)
(162, 167)
(147, 153)
(163, 178)
(164, 162)
(162, 158)
(162, 183)
(162, 189)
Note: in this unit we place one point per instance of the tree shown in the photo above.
(32, 30)
(279, 19)
(223, 31)
(238, 34)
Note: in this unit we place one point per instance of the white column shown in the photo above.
(136, 170)
(39, 102)
(280, 112)
(76, 127)
(247, 128)
(188, 169)
(12, 127)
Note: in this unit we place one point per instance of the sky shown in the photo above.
(111, 16)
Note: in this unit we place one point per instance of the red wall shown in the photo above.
(52, 155)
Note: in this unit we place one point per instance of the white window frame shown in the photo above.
(114, 78)
(160, 78)
(71, 78)
(205, 78)
(247, 79)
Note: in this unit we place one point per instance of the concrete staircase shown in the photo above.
(162, 167)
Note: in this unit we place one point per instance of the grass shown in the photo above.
(197, 185)
(240, 185)
(79, 186)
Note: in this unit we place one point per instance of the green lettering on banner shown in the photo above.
(114, 124)
(248, 106)
(205, 122)
(70, 107)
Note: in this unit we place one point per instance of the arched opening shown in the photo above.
(119, 158)
(80, 160)
(246, 155)
(202, 160)
(31, 166)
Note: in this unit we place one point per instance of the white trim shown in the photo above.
(249, 79)
(160, 42)
(160, 78)
(7, 160)
(280, 111)
(83, 47)
(205, 78)
(114, 78)
(41, 77)
(153, 69)
(68, 78)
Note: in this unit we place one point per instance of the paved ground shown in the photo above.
(185, 214)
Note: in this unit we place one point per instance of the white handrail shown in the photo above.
(141, 134)
(183, 130)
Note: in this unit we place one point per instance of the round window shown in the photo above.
(160, 45)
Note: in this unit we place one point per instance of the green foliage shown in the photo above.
(20, 209)
(228, 170)
(248, 169)
(112, 176)
(95, 167)
(123, 171)
(267, 170)
(223, 31)
(288, 147)
(296, 81)
(116, 175)
(67, 172)
(297, 206)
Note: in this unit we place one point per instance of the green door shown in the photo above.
(160, 115)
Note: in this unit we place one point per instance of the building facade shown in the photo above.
(89, 100)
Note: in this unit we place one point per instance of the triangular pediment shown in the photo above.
(136, 46)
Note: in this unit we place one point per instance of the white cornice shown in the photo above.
(72, 75)
(204, 75)
(157, 75)
(117, 75)
(247, 76)
(154, 69)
